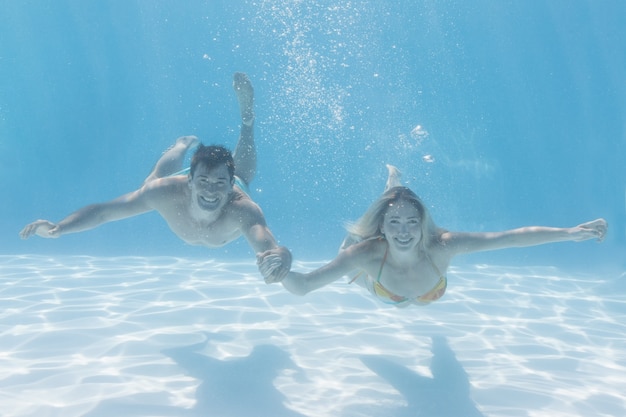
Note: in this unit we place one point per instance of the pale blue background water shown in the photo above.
(524, 103)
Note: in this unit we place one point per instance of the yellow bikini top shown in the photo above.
(388, 297)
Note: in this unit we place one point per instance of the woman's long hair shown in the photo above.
(369, 225)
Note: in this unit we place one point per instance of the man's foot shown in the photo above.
(245, 96)
(182, 144)
(187, 141)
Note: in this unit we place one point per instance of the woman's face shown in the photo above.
(402, 226)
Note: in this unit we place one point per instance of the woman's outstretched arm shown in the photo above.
(461, 242)
(346, 261)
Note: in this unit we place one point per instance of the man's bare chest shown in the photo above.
(211, 232)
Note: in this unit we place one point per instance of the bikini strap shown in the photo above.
(434, 266)
(380, 271)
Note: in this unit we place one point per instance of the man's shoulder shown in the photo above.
(165, 187)
(243, 206)
(241, 198)
(166, 182)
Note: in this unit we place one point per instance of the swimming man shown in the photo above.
(208, 206)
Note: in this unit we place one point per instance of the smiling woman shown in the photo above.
(402, 224)
(402, 256)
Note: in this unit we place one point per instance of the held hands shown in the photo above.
(42, 228)
(590, 230)
(274, 264)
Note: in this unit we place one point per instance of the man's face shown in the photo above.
(211, 189)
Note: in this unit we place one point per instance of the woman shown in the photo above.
(402, 256)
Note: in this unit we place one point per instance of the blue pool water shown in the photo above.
(499, 114)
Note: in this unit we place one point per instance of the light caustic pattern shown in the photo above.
(85, 336)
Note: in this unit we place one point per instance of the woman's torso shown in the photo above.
(419, 278)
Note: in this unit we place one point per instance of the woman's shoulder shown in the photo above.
(444, 248)
(368, 246)
(363, 254)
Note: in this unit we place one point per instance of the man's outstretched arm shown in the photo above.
(90, 216)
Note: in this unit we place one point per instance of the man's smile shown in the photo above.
(208, 203)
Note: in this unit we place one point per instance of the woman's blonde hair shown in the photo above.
(369, 225)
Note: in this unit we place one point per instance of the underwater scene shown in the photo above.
(322, 208)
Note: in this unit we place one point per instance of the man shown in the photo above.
(208, 206)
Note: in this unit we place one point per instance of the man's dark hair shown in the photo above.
(212, 156)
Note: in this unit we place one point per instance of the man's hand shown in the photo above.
(274, 264)
(42, 228)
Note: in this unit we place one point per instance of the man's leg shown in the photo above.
(172, 159)
(245, 151)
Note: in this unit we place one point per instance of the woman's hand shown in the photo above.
(590, 230)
